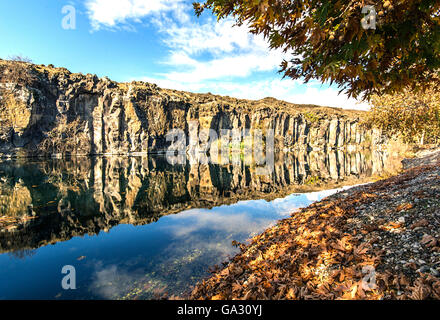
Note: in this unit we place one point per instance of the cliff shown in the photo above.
(47, 110)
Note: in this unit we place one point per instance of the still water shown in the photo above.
(138, 227)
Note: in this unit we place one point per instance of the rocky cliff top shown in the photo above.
(50, 75)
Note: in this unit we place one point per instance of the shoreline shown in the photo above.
(375, 241)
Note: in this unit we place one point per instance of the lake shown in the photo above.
(139, 227)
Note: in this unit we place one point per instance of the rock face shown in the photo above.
(59, 112)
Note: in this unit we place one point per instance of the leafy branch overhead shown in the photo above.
(328, 43)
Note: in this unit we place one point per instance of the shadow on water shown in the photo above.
(97, 214)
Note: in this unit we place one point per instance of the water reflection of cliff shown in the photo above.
(44, 202)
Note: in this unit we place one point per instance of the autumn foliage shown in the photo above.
(329, 251)
(327, 41)
(413, 115)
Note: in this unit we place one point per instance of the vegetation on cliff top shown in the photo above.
(415, 116)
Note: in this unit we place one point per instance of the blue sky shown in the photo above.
(158, 41)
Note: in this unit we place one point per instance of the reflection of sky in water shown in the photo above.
(140, 261)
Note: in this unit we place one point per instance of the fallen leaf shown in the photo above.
(428, 241)
(404, 206)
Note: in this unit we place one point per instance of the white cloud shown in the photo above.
(209, 56)
(234, 57)
(211, 50)
(240, 65)
(327, 97)
(110, 13)
(215, 37)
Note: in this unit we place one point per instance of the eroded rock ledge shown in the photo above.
(59, 112)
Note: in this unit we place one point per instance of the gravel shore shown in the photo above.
(375, 241)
